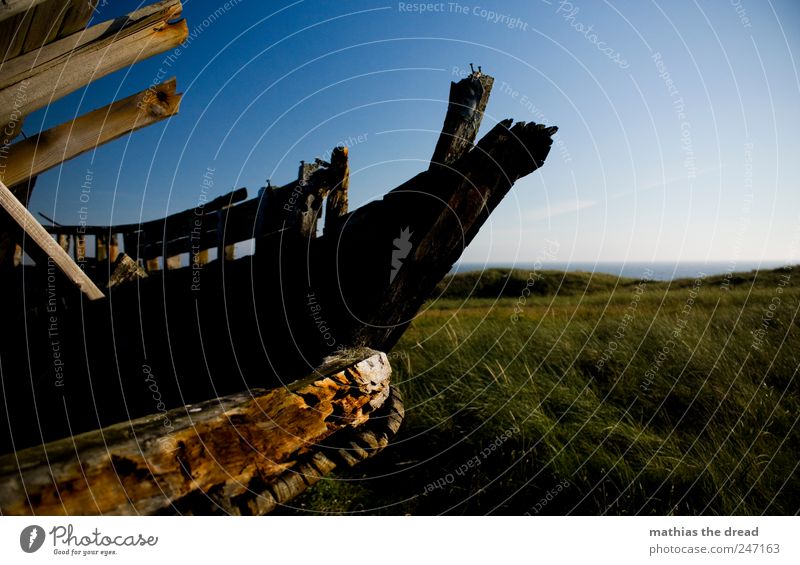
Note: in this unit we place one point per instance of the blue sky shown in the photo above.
(702, 166)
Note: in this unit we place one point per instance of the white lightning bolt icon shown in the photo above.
(34, 535)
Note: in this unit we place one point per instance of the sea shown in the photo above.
(660, 270)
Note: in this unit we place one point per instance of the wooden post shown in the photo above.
(46, 243)
(113, 248)
(202, 257)
(336, 203)
(101, 248)
(63, 241)
(468, 99)
(50, 148)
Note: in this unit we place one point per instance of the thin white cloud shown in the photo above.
(559, 209)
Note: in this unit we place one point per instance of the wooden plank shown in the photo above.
(15, 30)
(180, 221)
(77, 16)
(47, 244)
(48, 149)
(45, 25)
(10, 8)
(99, 36)
(76, 68)
(221, 447)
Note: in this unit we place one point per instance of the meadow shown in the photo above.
(572, 393)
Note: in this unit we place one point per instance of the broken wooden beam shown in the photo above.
(336, 203)
(33, 80)
(465, 109)
(125, 270)
(222, 449)
(20, 214)
(49, 148)
(416, 233)
(344, 449)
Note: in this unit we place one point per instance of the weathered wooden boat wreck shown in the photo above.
(226, 385)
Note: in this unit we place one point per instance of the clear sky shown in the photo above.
(678, 120)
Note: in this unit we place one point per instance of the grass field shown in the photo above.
(553, 393)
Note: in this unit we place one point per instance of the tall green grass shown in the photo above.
(686, 413)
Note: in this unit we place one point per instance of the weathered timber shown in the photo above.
(71, 63)
(10, 8)
(27, 30)
(336, 203)
(125, 270)
(54, 54)
(467, 103)
(50, 148)
(19, 213)
(296, 207)
(343, 449)
(230, 450)
(415, 234)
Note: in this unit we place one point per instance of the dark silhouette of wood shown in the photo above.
(468, 100)
(264, 320)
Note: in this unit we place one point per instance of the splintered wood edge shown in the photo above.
(344, 449)
(219, 449)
